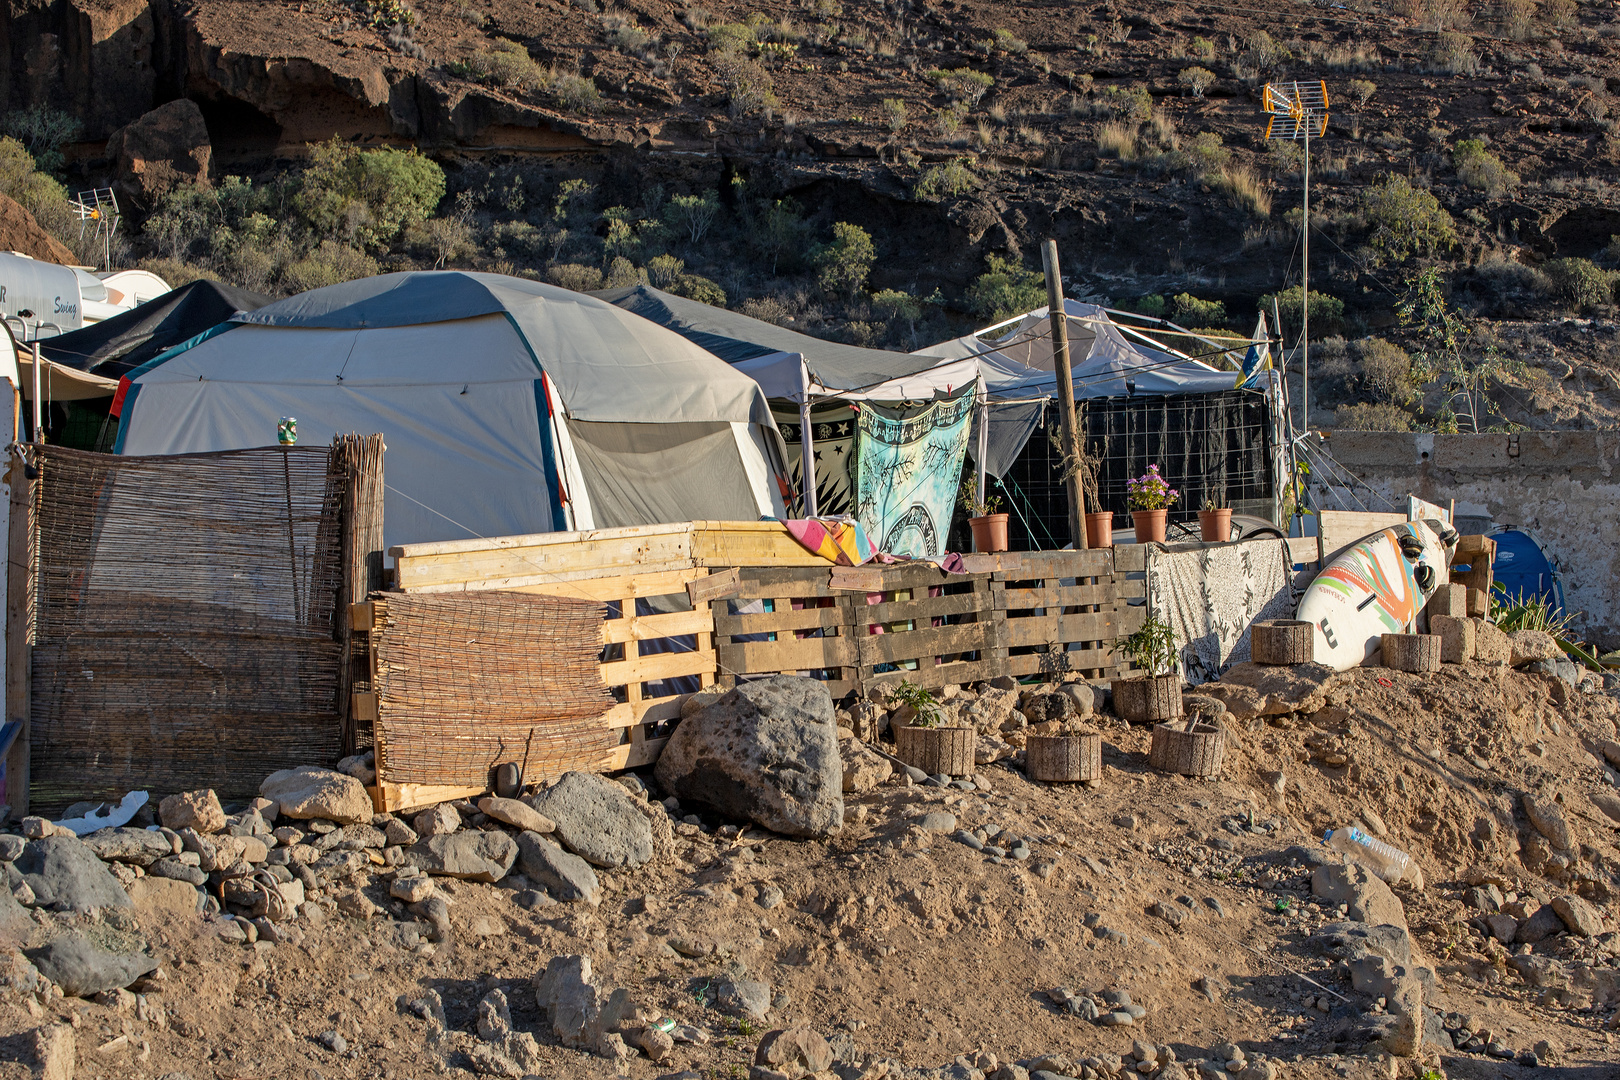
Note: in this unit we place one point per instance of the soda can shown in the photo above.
(287, 431)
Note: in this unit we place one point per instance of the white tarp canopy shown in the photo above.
(507, 406)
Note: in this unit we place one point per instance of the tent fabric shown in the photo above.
(483, 438)
(638, 473)
(1011, 425)
(114, 347)
(609, 365)
(788, 364)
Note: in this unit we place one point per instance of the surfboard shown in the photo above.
(1376, 586)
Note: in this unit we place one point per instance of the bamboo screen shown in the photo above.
(467, 682)
(185, 621)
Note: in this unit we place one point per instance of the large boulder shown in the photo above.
(15, 922)
(127, 845)
(82, 968)
(65, 873)
(199, 810)
(567, 993)
(476, 856)
(596, 820)
(1249, 689)
(20, 232)
(567, 876)
(309, 792)
(1528, 646)
(164, 149)
(1548, 818)
(768, 752)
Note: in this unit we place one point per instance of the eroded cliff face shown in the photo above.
(105, 61)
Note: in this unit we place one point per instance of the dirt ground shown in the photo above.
(919, 950)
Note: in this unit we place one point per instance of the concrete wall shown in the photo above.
(1562, 486)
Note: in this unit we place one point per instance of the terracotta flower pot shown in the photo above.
(1149, 525)
(1215, 526)
(1100, 530)
(989, 532)
(1148, 698)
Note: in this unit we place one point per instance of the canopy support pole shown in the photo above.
(984, 437)
(39, 422)
(807, 454)
(1065, 386)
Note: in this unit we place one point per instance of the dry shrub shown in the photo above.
(1245, 190)
(1386, 371)
(1117, 140)
(1363, 417)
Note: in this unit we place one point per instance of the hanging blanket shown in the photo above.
(1212, 596)
(908, 464)
(838, 540)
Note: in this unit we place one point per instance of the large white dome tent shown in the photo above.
(508, 406)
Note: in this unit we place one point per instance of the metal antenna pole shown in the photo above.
(1305, 294)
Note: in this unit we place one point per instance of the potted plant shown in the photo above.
(1151, 498)
(989, 527)
(1099, 522)
(1215, 521)
(1155, 695)
(927, 742)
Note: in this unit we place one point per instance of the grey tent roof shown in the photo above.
(609, 364)
(735, 337)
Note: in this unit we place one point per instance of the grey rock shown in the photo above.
(567, 876)
(14, 918)
(437, 914)
(1369, 900)
(745, 997)
(916, 775)
(768, 752)
(1548, 818)
(63, 872)
(1117, 1018)
(1083, 696)
(962, 836)
(11, 847)
(596, 820)
(334, 1042)
(476, 856)
(1539, 926)
(1349, 940)
(1580, 917)
(136, 846)
(172, 867)
(937, 822)
(769, 896)
(83, 968)
(567, 994)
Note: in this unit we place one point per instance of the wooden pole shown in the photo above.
(1065, 388)
(19, 630)
(807, 455)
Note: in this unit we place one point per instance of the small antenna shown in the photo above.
(1299, 110)
(97, 211)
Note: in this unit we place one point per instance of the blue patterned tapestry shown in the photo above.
(908, 466)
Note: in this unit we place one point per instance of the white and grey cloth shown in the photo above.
(1211, 596)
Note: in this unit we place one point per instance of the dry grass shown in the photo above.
(1117, 140)
(1246, 190)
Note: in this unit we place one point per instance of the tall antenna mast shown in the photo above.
(1299, 110)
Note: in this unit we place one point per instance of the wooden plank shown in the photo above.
(1061, 596)
(811, 588)
(749, 543)
(21, 546)
(513, 562)
(1134, 588)
(650, 711)
(857, 579)
(1129, 558)
(990, 562)
(934, 675)
(1058, 661)
(387, 798)
(1339, 529)
(654, 667)
(363, 707)
(603, 589)
(367, 615)
(1128, 620)
(1473, 546)
(649, 627)
(799, 654)
(919, 644)
(1304, 550)
(779, 622)
(926, 607)
(634, 755)
(1054, 629)
(717, 586)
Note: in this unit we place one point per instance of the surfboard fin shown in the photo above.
(1424, 576)
(1411, 547)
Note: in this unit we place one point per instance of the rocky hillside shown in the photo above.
(1474, 139)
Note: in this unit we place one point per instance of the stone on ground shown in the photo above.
(567, 876)
(54, 1054)
(1548, 818)
(766, 752)
(135, 846)
(568, 995)
(309, 792)
(597, 820)
(1580, 917)
(796, 1051)
(1369, 900)
(476, 856)
(199, 810)
(518, 814)
(441, 820)
(82, 968)
(166, 897)
(1528, 646)
(62, 871)
(864, 768)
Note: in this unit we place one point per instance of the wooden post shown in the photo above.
(19, 630)
(1065, 388)
(807, 454)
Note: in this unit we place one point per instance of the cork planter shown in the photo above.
(1147, 699)
(1196, 747)
(1063, 758)
(1411, 652)
(1282, 641)
(935, 750)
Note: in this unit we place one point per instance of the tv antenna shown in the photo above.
(97, 211)
(1299, 111)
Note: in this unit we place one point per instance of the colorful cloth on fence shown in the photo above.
(908, 465)
(1210, 598)
(839, 540)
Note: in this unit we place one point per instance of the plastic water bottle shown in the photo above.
(1385, 860)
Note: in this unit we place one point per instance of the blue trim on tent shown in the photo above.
(124, 414)
(542, 407)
